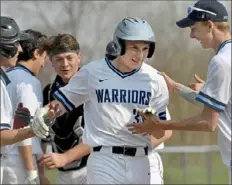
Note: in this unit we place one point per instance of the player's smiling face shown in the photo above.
(66, 64)
(136, 53)
(202, 32)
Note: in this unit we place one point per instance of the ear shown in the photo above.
(79, 58)
(36, 54)
(210, 25)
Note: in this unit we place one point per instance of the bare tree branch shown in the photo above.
(47, 23)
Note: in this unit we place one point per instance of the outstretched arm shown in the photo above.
(56, 160)
(155, 142)
(185, 92)
(9, 137)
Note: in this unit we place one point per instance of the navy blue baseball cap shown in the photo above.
(204, 10)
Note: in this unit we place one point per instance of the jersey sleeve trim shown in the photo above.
(4, 126)
(163, 115)
(61, 97)
(204, 98)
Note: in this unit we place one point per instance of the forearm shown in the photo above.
(77, 152)
(187, 93)
(40, 169)
(27, 157)
(155, 142)
(9, 137)
(197, 123)
(44, 147)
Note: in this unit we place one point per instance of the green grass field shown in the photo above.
(196, 169)
(194, 172)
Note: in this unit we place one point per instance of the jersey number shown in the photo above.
(137, 117)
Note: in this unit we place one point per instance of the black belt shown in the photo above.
(129, 151)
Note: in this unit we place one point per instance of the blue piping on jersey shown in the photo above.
(4, 77)
(210, 102)
(19, 66)
(223, 45)
(123, 75)
(60, 96)
(163, 116)
(4, 126)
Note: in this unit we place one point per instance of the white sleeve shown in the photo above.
(26, 94)
(76, 92)
(5, 115)
(161, 98)
(216, 92)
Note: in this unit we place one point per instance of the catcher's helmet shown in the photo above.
(10, 36)
(134, 29)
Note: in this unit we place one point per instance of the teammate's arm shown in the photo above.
(74, 94)
(214, 94)
(155, 142)
(42, 177)
(166, 135)
(9, 137)
(56, 160)
(185, 92)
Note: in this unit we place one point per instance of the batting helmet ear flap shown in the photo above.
(8, 51)
(151, 50)
(122, 46)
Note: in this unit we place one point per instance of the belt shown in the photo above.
(129, 151)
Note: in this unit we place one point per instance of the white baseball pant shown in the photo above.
(14, 171)
(105, 167)
(2, 168)
(156, 167)
(72, 177)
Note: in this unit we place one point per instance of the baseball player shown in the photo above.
(156, 165)
(208, 21)
(9, 50)
(70, 154)
(111, 92)
(21, 160)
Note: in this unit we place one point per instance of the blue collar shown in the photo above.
(4, 77)
(114, 69)
(19, 66)
(223, 45)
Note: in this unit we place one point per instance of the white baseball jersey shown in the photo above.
(6, 107)
(111, 98)
(216, 93)
(25, 88)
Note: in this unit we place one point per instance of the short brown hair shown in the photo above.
(39, 41)
(222, 26)
(63, 43)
